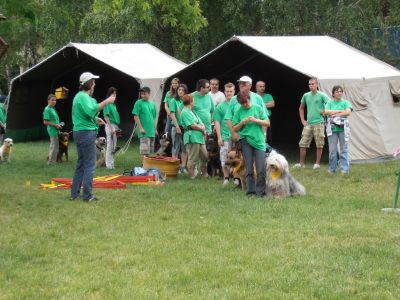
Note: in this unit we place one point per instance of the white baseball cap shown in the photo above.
(85, 77)
(245, 79)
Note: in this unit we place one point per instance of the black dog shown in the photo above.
(214, 163)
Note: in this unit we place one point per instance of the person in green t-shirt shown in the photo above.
(2, 122)
(85, 111)
(222, 130)
(249, 121)
(269, 104)
(112, 119)
(175, 107)
(144, 112)
(194, 137)
(203, 104)
(313, 127)
(171, 94)
(245, 83)
(52, 121)
(338, 130)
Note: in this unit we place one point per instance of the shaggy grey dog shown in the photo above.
(279, 182)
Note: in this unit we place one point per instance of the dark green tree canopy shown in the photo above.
(186, 29)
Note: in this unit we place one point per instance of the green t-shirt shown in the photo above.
(189, 118)
(146, 111)
(84, 112)
(314, 103)
(110, 110)
(176, 106)
(267, 98)
(2, 114)
(234, 105)
(338, 105)
(50, 114)
(219, 115)
(168, 97)
(204, 107)
(253, 132)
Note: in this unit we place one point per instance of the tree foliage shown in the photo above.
(186, 29)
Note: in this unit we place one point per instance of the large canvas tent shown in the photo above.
(286, 64)
(124, 66)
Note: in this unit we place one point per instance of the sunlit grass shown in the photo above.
(196, 239)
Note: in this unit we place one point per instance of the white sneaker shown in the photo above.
(226, 182)
(236, 181)
(316, 166)
(298, 165)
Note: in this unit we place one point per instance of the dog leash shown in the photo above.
(128, 142)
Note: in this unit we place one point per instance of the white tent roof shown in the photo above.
(322, 57)
(141, 61)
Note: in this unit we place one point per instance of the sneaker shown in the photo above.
(92, 199)
(298, 165)
(182, 170)
(331, 172)
(236, 181)
(316, 166)
(344, 172)
(226, 182)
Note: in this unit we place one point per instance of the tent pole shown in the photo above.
(396, 197)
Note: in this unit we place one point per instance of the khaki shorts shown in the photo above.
(223, 152)
(317, 132)
(146, 145)
(196, 152)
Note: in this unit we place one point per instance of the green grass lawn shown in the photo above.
(195, 239)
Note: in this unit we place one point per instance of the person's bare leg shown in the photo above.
(183, 159)
(303, 153)
(319, 155)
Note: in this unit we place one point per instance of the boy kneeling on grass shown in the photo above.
(144, 113)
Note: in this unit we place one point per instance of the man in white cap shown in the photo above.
(245, 84)
(85, 111)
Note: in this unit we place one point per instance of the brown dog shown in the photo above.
(63, 143)
(236, 162)
(101, 144)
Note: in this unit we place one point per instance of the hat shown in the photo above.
(85, 77)
(145, 89)
(245, 79)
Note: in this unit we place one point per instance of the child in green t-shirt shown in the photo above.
(144, 113)
(52, 121)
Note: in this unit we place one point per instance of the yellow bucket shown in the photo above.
(167, 165)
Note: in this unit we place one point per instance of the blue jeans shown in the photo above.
(177, 142)
(253, 156)
(85, 141)
(333, 152)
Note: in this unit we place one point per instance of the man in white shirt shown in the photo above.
(216, 95)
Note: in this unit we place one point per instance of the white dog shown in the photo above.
(5, 150)
(279, 182)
